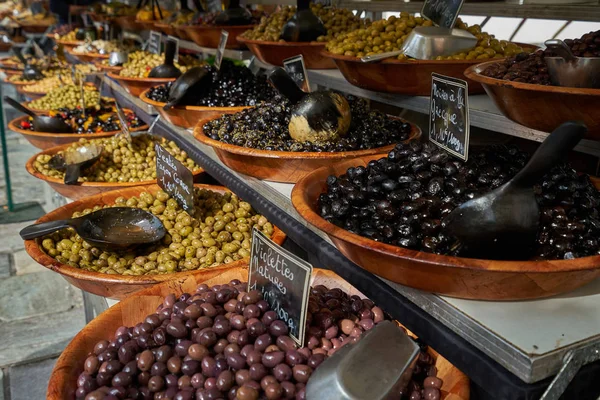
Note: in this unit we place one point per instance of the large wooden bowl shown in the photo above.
(69, 44)
(283, 166)
(167, 29)
(17, 84)
(34, 27)
(85, 189)
(181, 33)
(210, 35)
(451, 276)
(87, 57)
(275, 52)
(145, 25)
(131, 311)
(135, 86)
(541, 107)
(188, 116)
(108, 285)
(108, 68)
(46, 140)
(128, 23)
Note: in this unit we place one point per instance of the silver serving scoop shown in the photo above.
(377, 367)
(429, 42)
(571, 71)
(117, 58)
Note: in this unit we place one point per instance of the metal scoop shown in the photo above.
(571, 71)
(503, 223)
(234, 15)
(76, 161)
(168, 69)
(377, 367)
(304, 26)
(117, 58)
(429, 42)
(30, 72)
(188, 87)
(110, 229)
(41, 123)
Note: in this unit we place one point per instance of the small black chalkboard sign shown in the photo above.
(283, 279)
(296, 69)
(442, 12)
(449, 115)
(221, 49)
(154, 42)
(176, 41)
(174, 178)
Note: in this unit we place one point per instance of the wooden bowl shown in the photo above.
(45, 140)
(116, 286)
(34, 27)
(145, 25)
(210, 35)
(69, 44)
(128, 22)
(181, 33)
(85, 189)
(188, 116)
(283, 166)
(108, 68)
(167, 29)
(135, 86)
(541, 107)
(129, 312)
(9, 73)
(87, 57)
(467, 278)
(4, 46)
(17, 84)
(275, 52)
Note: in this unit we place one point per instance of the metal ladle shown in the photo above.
(504, 222)
(189, 86)
(167, 69)
(109, 229)
(30, 72)
(41, 123)
(570, 71)
(117, 58)
(75, 161)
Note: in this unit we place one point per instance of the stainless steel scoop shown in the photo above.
(571, 71)
(377, 367)
(117, 58)
(73, 162)
(111, 229)
(429, 42)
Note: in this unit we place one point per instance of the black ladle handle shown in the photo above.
(20, 56)
(285, 85)
(72, 174)
(551, 152)
(184, 5)
(233, 4)
(45, 228)
(199, 6)
(170, 49)
(302, 4)
(19, 106)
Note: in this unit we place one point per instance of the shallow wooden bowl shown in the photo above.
(9, 72)
(85, 189)
(135, 86)
(69, 44)
(34, 27)
(451, 276)
(188, 116)
(283, 166)
(116, 286)
(210, 35)
(129, 312)
(275, 52)
(87, 57)
(541, 107)
(108, 68)
(46, 140)
(145, 25)
(4, 46)
(128, 22)
(167, 29)
(181, 33)
(17, 84)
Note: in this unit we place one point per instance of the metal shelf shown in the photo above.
(579, 12)
(485, 356)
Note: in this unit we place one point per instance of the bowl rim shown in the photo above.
(415, 133)
(12, 125)
(33, 247)
(143, 96)
(69, 42)
(112, 75)
(392, 61)
(55, 181)
(94, 55)
(242, 39)
(25, 91)
(216, 27)
(474, 73)
(307, 211)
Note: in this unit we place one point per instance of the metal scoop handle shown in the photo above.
(285, 85)
(381, 56)
(45, 228)
(124, 128)
(560, 48)
(72, 174)
(19, 106)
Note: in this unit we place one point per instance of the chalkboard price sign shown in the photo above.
(296, 69)
(176, 40)
(221, 49)
(449, 115)
(442, 12)
(284, 281)
(154, 42)
(175, 178)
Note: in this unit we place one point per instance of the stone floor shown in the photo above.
(39, 311)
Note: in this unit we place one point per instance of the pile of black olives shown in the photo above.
(232, 86)
(265, 127)
(401, 199)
